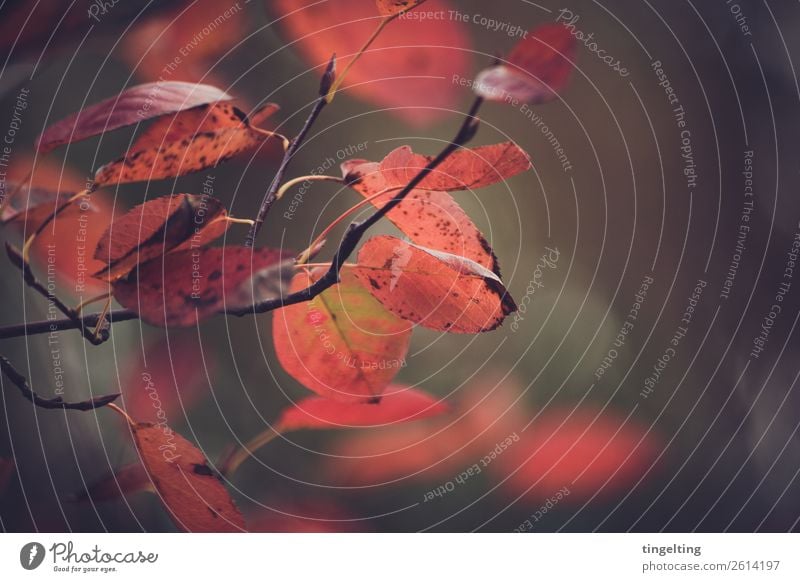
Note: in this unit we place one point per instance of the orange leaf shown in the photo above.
(537, 69)
(407, 70)
(132, 106)
(428, 217)
(186, 142)
(434, 289)
(401, 404)
(392, 7)
(126, 480)
(466, 169)
(183, 288)
(192, 492)
(342, 344)
(176, 222)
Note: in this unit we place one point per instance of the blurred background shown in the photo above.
(662, 202)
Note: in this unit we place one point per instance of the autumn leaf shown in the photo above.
(400, 404)
(183, 288)
(132, 106)
(187, 142)
(465, 169)
(191, 491)
(536, 70)
(589, 453)
(407, 70)
(392, 7)
(343, 344)
(434, 289)
(30, 206)
(126, 480)
(176, 222)
(430, 218)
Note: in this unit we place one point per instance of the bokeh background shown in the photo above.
(711, 446)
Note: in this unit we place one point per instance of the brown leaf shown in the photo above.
(465, 169)
(192, 492)
(186, 142)
(183, 288)
(438, 290)
(176, 222)
(133, 105)
(343, 344)
(430, 218)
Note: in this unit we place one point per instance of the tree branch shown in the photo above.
(351, 238)
(271, 194)
(51, 403)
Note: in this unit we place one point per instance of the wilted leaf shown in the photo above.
(183, 288)
(191, 491)
(538, 68)
(343, 344)
(126, 480)
(409, 68)
(399, 404)
(186, 142)
(583, 451)
(176, 222)
(132, 106)
(428, 217)
(465, 169)
(434, 289)
(391, 7)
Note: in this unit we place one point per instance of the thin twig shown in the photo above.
(271, 195)
(51, 403)
(349, 242)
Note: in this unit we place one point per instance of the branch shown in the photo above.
(352, 237)
(51, 403)
(271, 195)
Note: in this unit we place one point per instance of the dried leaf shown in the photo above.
(191, 491)
(186, 142)
(343, 344)
(434, 289)
(132, 106)
(176, 222)
(400, 404)
(465, 169)
(183, 288)
(538, 68)
(430, 218)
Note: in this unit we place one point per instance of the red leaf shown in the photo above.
(176, 222)
(401, 404)
(428, 217)
(537, 69)
(434, 289)
(126, 480)
(192, 492)
(186, 142)
(129, 107)
(168, 379)
(342, 344)
(466, 169)
(582, 451)
(183, 288)
(407, 70)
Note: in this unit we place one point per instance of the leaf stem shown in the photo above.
(240, 455)
(310, 178)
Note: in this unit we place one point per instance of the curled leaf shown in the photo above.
(438, 290)
(537, 68)
(186, 142)
(191, 491)
(400, 404)
(343, 344)
(185, 287)
(175, 222)
(133, 105)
